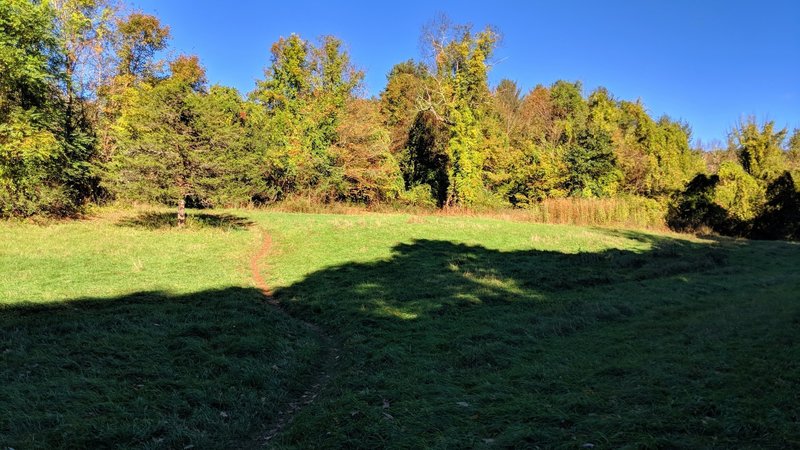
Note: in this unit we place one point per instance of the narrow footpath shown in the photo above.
(327, 363)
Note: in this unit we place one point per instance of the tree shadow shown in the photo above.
(533, 348)
(166, 220)
(444, 345)
(148, 370)
(424, 275)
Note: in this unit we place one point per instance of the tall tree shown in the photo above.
(508, 103)
(44, 146)
(759, 149)
(460, 99)
(167, 148)
(405, 83)
(793, 151)
(570, 111)
(302, 99)
(334, 84)
(140, 36)
(370, 173)
(537, 117)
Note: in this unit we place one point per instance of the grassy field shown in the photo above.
(452, 333)
(116, 333)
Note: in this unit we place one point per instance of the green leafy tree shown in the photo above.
(739, 193)
(334, 82)
(793, 151)
(137, 39)
(43, 147)
(759, 149)
(542, 173)
(301, 102)
(570, 111)
(591, 163)
(140, 36)
(220, 127)
(460, 100)
(781, 216)
(169, 140)
(278, 122)
(369, 172)
(654, 155)
(406, 83)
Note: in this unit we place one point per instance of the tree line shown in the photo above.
(91, 111)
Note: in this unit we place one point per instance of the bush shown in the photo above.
(694, 209)
(741, 195)
(781, 216)
(419, 195)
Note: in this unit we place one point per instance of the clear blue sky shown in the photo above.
(707, 62)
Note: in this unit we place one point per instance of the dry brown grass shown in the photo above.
(624, 212)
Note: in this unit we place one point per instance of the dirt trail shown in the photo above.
(326, 365)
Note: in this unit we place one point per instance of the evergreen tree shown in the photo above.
(168, 141)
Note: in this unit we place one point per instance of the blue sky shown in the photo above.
(707, 62)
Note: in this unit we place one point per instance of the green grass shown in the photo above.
(454, 333)
(113, 335)
(480, 333)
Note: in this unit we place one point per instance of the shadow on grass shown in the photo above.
(668, 346)
(444, 345)
(148, 370)
(429, 277)
(166, 220)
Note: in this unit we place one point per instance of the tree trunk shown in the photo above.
(182, 212)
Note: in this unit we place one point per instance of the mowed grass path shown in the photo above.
(454, 333)
(460, 333)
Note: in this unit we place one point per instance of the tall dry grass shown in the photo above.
(630, 212)
(622, 212)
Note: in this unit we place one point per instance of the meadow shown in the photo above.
(392, 331)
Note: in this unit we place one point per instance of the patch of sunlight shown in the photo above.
(384, 310)
(365, 288)
(471, 298)
(493, 282)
